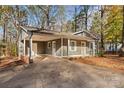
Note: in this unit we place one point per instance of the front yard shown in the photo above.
(6, 62)
(109, 61)
(58, 72)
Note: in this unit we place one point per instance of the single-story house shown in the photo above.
(34, 41)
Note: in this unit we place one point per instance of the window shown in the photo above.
(91, 45)
(82, 44)
(73, 45)
(49, 45)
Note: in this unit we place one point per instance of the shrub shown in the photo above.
(100, 53)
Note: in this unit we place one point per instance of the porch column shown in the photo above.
(19, 45)
(97, 46)
(30, 49)
(61, 46)
(93, 48)
(19, 49)
(68, 46)
(24, 47)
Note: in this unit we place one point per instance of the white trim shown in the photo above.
(78, 55)
(94, 48)
(53, 47)
(76, 33)
(83, 48)
(75, 45)
(24, 29)
(68, 47)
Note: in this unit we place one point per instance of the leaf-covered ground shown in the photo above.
(9, 62)
(109, 61)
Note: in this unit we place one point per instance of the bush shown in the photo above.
(100, 53)
(13, 50)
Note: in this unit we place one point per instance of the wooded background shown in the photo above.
(106, 21)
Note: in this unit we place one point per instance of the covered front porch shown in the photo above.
(58, 45)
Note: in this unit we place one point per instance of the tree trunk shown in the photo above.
(47, 21)
(61, 26)
(4, 32)
(121, 52)
(48, 17)
(5, 37)
(102, 36)
(86, 17)
(75, 23)
(86, 22)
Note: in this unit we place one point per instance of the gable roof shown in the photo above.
(28, 28)
(36, 29)
(92, 34)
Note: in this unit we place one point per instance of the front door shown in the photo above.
(83, 48)
(54, 48)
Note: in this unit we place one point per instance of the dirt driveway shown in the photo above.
(58, 72)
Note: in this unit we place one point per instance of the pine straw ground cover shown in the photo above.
(111, 61)
(9, 62)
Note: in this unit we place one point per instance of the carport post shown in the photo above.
(68, 47)
(24, 46)
(30, 46)
(93, 48)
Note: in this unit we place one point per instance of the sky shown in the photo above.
(69, 14)
(69, 11)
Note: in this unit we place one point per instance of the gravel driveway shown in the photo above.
(57, 72)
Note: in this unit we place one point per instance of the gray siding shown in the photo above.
(78, 48)
(26, 47)
(42, 48)
(37, 47)
(48, 50)
(67, 51)
(58, 47)
(65, 48)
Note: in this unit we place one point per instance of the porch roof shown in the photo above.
(48, 37)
